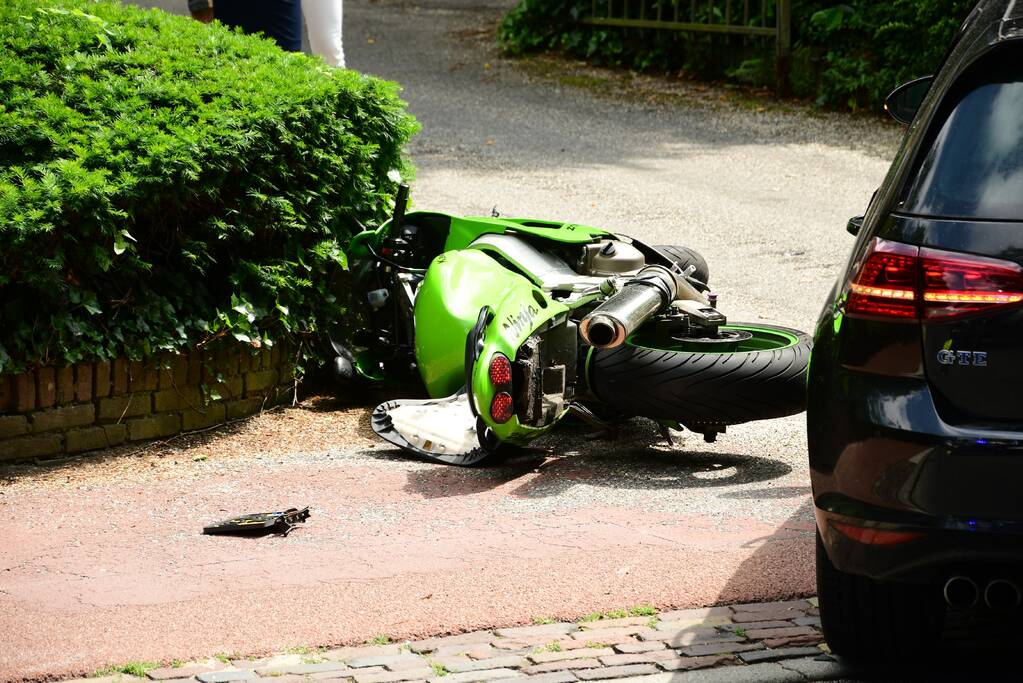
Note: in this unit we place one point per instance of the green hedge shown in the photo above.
(847, 55)
(165, 183)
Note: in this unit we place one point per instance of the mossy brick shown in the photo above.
(7, 400)
(130, 405)
(165, 372)
(87, 439)
(153, 427)
(101, 379)
(209, 370)
(180, 370)
(13, 425)
(65, 385)
(231, 387)
(32, 446)
(226, 362)
(176, 399)
(245, 360)
(243, 407)
(136, 375)
(260, 380)
(120, 386)
(116, 434)
(212, 414)
(46, 387)
(25, 392)
(63, 417)
(84, 373)
(264, 358)
(142, 376)
(276, 353)
(194, 368)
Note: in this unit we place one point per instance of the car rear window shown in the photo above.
(974, 165)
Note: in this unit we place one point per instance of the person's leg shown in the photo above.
(323, 22)
(277, 19)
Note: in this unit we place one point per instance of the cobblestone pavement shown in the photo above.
(772, 641)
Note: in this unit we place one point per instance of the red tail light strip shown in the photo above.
(904, 282)
(872, 536)
(962, 297)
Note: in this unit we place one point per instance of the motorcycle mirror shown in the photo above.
(400, 204)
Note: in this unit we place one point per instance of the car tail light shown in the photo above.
(501, 408)
(500, 370)
(902, 282)
(885, 285)
(873, 536)
(957, 284)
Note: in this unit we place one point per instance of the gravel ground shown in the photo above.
(102, 561)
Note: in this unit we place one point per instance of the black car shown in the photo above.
(915, 418)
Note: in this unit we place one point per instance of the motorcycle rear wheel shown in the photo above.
(685, 257)
(758, 373)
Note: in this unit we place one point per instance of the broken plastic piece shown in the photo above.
(260, 523)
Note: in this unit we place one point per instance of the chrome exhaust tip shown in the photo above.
(1002, 594)
(602, 331)
(961, 592)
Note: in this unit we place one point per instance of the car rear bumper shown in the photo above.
(937, 496)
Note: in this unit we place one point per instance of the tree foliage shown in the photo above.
(165, 182)
(847, 55)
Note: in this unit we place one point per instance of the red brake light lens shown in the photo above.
(871, 536)
(903, 282)
(956, 285)
(885, 284)
(501, 408)
(500, 370)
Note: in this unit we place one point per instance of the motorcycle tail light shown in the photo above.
(500, 371)
(501, 408)
(903, 282)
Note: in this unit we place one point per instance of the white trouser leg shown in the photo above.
(323, 21)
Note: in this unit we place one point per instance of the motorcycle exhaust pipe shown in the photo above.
(1002, 594)
(961, 592)
(651, 290)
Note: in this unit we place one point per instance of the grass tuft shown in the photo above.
(138, 669)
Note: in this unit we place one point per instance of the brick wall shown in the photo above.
(55, 411)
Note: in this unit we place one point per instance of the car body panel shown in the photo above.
(898, 439)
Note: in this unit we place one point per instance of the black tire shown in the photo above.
(864, 619)
(685, 257)
(698, 387)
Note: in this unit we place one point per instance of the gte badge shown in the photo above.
(977, 359)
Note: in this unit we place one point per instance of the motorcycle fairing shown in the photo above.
(440, 429)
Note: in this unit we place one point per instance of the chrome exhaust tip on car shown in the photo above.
(961, 592)
(1002, 594)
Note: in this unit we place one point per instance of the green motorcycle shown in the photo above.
(512, 324)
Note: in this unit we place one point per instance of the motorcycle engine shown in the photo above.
(611, 257)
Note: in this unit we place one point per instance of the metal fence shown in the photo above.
(769, 18)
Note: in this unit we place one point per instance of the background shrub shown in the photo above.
(165, 183)
(847, 55)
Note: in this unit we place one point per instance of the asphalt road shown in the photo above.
(404, 548)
